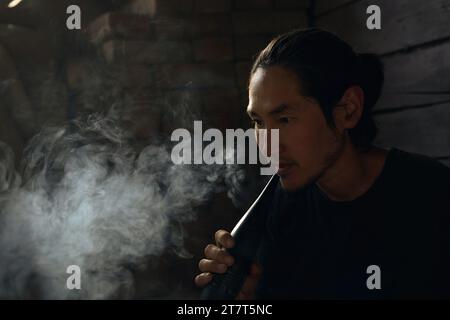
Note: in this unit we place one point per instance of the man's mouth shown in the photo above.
(284, 167)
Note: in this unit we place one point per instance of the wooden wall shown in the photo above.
(414, 42)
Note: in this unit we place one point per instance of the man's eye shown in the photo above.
(284, 120)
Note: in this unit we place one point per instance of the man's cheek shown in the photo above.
(302, 146)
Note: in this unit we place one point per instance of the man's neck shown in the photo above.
(352, 174)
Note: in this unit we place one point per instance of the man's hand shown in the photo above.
(217, 260)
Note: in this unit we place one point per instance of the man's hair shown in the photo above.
(326, 66)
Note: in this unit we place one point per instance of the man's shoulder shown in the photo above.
(418, 180)
(414, 167)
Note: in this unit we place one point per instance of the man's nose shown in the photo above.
(269, 142)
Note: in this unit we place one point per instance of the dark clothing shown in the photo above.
(317, 248)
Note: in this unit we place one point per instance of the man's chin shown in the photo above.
(295, 180)
(291, 183)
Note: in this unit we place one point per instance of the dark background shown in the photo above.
(163, 63)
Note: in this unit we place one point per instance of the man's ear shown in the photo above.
(349, 109)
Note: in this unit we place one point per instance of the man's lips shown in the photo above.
(284, 167)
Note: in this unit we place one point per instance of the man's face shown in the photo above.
(307, 146)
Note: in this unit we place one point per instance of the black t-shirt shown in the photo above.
(317, 248)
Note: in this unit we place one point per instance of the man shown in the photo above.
(348, 220)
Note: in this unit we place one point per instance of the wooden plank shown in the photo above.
(195, 75)
(147, 52)
(397, 101)
(324, 6)
(291, 4)
(446, 162)
(419, 77)
(404, 23)
(116, 25)
(50, 15)
(153, 8)
(425, 131)
(267, 23)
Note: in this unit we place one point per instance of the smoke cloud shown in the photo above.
(86, 197)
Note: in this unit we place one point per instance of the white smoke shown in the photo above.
(88, 199)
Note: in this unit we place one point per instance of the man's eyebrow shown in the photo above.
(282, 107)
(279, 109)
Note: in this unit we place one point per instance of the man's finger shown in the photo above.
(224, 239)
(206, 265)
(203, 279)
(212, 252)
